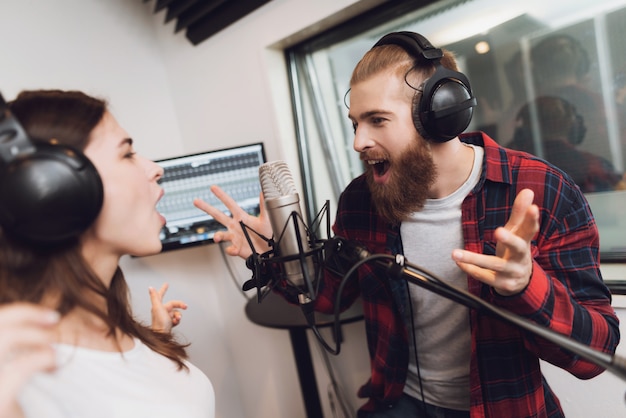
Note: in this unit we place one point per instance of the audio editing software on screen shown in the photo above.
(236, 170)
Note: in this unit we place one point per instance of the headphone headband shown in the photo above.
(13, 139)
(413, 43)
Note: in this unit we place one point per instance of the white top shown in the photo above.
(441, 326)
(138, 383)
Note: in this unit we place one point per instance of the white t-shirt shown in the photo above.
(138, 383)
(441, 326)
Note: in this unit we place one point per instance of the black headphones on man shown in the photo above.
(444, 108)
(49, 193)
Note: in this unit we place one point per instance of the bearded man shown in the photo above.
(504, 225)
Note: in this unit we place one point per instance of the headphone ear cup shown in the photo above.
(50, 196)
(445, 109)
(417, 120)
(522, 138)
(578, 130)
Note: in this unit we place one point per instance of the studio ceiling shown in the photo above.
(200, 19)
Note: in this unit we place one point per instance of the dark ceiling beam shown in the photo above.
(178, 7)
(161, 4)
(221, 17)
(197, 12)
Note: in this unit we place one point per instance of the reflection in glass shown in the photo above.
(562, 129)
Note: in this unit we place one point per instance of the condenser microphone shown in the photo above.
(282, 204)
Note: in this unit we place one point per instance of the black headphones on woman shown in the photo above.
(49, 193)
(445, 106)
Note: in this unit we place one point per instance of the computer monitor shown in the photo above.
(236, 170)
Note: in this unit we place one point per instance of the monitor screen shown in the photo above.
(235, 170)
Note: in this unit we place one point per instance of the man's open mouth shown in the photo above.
(380, 166)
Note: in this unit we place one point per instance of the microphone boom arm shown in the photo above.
(400, 268)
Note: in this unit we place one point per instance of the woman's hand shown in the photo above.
(26, 338)
(167, 315)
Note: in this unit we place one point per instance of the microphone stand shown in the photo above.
(399, 267)
(267, 273)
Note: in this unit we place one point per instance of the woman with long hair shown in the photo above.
(107, 362)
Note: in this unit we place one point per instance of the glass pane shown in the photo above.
(549, 77)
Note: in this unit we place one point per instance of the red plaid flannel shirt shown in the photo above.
(566, 292)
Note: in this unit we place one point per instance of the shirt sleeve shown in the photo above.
(566, 292)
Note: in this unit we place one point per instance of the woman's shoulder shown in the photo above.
(137, 382)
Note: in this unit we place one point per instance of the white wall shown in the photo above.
(104, 47)
(176, 98)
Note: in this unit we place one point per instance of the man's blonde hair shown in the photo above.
(397, 60)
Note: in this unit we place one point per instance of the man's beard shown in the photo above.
(407, 189)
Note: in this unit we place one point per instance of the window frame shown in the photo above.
(382, 18)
